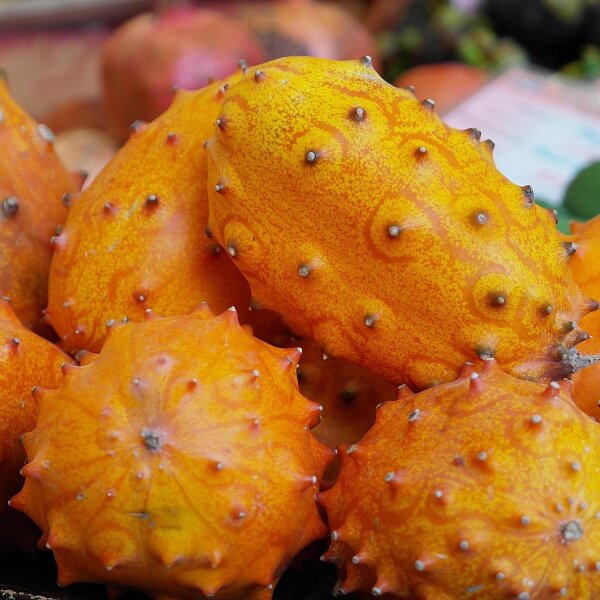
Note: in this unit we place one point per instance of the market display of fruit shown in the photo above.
(301, 337)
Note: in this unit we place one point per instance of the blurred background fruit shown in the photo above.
(180, 47)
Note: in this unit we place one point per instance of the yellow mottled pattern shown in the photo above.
(381, 232)
(34, 179)
(178, 462)
(135, 239)
(483, 488)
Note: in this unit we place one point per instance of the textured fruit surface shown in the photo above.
(348, 394)
(487, 487)
(447, 84)
(179, 461)
(384, 234)
(26, 360)
(134, 239)
(32, 183)
(183, 46)
(586, 271)
(307, 28)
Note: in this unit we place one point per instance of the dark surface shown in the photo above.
(34, 578)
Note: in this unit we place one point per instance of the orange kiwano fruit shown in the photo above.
(586, 271)
(384, 234)
(133, 240)
(32, 184)
(179, 462)
(26, 360)
(487, 487)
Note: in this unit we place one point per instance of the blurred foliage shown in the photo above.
(587, 67)
(582, 197)
(551, 33)
(482, 48)
(436, 31)
(569, 10)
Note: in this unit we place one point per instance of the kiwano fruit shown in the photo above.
(178, 461)
(586, 271)
(26, 360)
(487, 487)
(182, 46)
(384, 234)
(133, 240)
(32, 184)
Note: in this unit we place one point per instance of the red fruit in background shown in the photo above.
(26, 360)
(307, 28)
(32, 184)
(182, 46)
(448, 84)
(179, 461)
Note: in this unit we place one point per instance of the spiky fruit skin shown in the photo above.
(178, 462)
(348, 394)
(405, 251)
(486, 487)
(307, 29)
(586, 271)
(183, 46)
(136, 238)
(32, 183)
(26, 360)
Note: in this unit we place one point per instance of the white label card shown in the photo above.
(545, 127)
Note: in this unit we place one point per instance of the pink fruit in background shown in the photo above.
(183, 46)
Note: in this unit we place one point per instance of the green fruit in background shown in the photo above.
(582, 197)
(564, 216)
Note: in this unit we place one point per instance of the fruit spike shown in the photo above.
(398, 222)
(496, 494)
(32, 184)
(188, 471)
(133, 234)
(26, 361)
